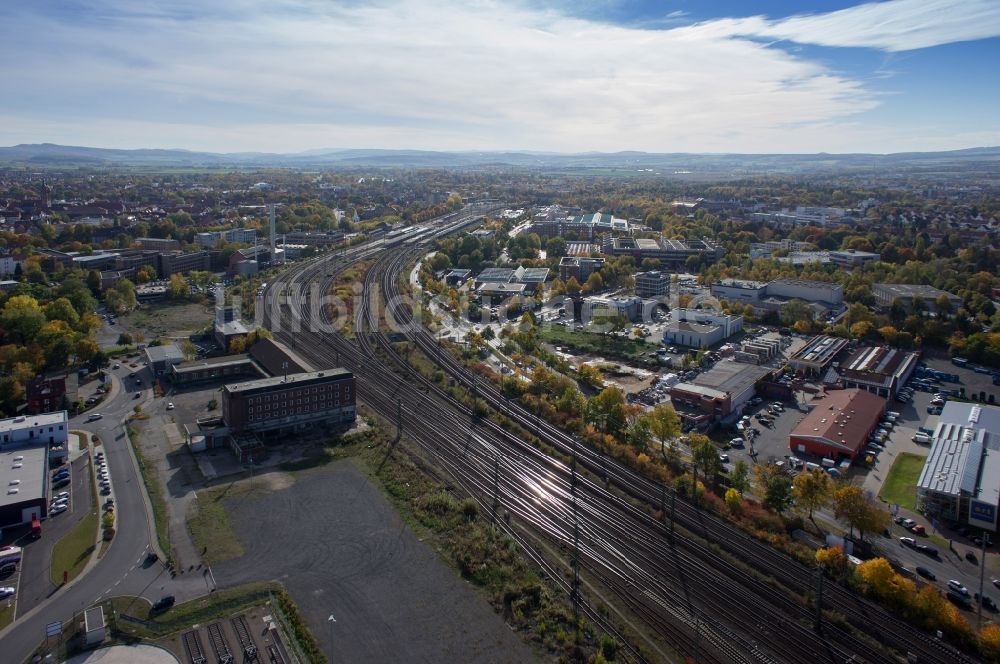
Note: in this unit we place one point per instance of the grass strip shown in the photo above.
(155, 492)
(901, 484)
(211, 528)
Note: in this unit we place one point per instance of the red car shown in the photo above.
(918, 530)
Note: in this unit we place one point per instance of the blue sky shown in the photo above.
(558, 75)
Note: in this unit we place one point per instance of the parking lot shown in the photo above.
(33, 579)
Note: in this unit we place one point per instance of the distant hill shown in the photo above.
(48, 154)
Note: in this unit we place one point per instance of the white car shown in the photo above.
(7, 591)
(907, 541)
(60, 495)
(958, 587)
(170, 406)
(58, 509)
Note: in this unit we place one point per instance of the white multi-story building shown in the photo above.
(697, 328)
(47, 428)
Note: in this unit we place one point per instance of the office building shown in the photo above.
(653, 284)
(285, 404)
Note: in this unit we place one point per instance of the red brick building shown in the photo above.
(838, 425)
(45, 394)
(286, 404)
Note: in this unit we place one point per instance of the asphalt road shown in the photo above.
(120, 571)
(342, 550)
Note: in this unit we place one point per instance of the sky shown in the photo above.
(546, 75)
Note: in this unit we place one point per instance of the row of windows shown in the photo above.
(277, 413)
(31, 434)
(283, 397)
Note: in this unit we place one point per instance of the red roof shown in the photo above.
(842, 419)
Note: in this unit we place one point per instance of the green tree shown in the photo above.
(121, 297)
(665, 426)
(779, 493)
(797, 310)
(595, 283)
(21, 318)
(555, 247)
(178, 287)
(607, 411)
(812, 490)
(62, 309)
(851, 505)
(739, 478)
(706, 457)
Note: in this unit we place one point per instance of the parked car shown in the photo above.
(958, 587)
(170, 406)
(971, 557)
(987, 602)
(58, 509)
(909, 523)
(907, 541)
(7, 591)
(926, 573)
(58, 484)
(163, 603)
(918, 529)
(928, 550)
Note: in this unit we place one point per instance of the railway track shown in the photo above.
(884, 627)
(681, 590)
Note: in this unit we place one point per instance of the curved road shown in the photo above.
(120, 571)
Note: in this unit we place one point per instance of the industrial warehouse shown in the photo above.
(838, 425)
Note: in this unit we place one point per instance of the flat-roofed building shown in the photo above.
(222, 368)
(960, 480)
(491, 293)
(839, 424)
(718, 394)
(826, 293)
(633, 308)
(818, 355)
(672, 254)
(907, 294)
(853, 257)
(740, 290)
(284, 404)
(161, 358)
(533, 278)
(653, 284)
(699, 328)
(879, 369)
(24, 477)
(48, 428)
(578, 267)
(495, 275)
(181, 263)
(158, 243)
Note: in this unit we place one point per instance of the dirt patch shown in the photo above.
(166, 320)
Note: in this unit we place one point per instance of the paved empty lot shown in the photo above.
(342, 550)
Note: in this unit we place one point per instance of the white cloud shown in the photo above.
(293, 74)
(896, 25)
